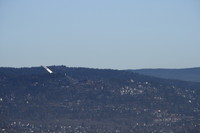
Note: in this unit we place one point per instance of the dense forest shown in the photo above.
(83, 100)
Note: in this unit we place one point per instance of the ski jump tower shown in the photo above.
(48, 70)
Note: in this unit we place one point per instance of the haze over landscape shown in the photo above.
(99, 66)
(100, 34)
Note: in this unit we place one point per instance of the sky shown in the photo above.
(116, 34)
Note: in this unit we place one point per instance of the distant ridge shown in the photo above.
(75, 100)
(186, 74)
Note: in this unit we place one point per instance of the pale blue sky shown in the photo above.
(118, 34)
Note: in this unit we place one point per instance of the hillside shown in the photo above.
(187, 74)
(76, 100)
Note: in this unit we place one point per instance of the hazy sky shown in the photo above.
(118, 34)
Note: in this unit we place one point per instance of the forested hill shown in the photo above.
(78, 100)
(187, 74)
